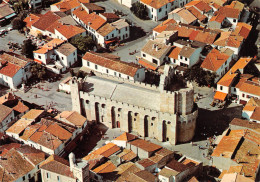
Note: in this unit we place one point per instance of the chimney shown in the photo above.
(72, 161)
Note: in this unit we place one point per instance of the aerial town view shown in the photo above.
(130, 90)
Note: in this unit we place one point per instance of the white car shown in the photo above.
(10, 28)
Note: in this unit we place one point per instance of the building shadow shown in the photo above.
(90, 140)
(210, 123)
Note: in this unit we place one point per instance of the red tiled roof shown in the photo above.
(220, 96)
(92, 20)
(20, 107)
(214, 60)
(256, 114)
(108, 167)
(117, 65)
(162, 27)
(59, 132)
(4, 112)
(31, 19)
(46, 20)
(147, 64)
(66, 5)
(156, 4)
(126, 137)
(175, 52)
(229, 12)
(196, 13)
(145, 145)
(70, 31)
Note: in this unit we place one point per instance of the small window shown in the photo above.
(62, 58)
(151, 124)
(160, 9)
(107, 71)
(235, 89)
(169, 122)
(126, 28)
(115, 73)
(181, 57)
(152, 9)
(226, 63)
(112, 35)
(58, 178)
(234, 20)
(48, 175)
(74, 53)
(119, 109)
(39, 57)
(221, 88)
(88, 64)
(144, 55)
(96, 67)
(243, 95)
(29, 176)
(174, 61)
(23, 178)
(119, 74)
(87, 101)
(128, 77)
(119, 31)
(137, 75)
(186, 59)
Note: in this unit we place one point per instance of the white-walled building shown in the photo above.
(181, 15)
(114, 67)
(128, 3)
(155, 52)
(158, 10)
(251, 111)
(6, 116)
(14, 70)
(67, 171)
(188, 56)
(217, 62)
(56, 55)
(21, 163)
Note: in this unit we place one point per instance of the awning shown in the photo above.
(111, 41)
(147, 64)
(37, 61)
(10, 16)
(220, 96)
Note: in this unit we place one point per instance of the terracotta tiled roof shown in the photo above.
(177, 166)
(20, 107)
(5, 10)
(162, 49)
(252, 104)
(145, 145)
(226, 147)
(156, 4)
(214, 60)
(72, 117)
(175, 52)
(236, 5)
(31, 19)
(187, 16)
(245, 124)
(218, 18)
(167, 172)
(32, 114)
(64, 6)
(162, 27)
(4, 112)
(66, 49)
(202, 6)
(146, 162)
(93, 7)
(92, 20)
(242, 29)
(69, 31)
(164, 152)
(226, 39)
(220, 96)
(33, 155)
(147, 64)
(256, 114)
(120, 66)
(229, 12)
(108, 167)
(250, 87)
(16, 166)
(59, 132)
(57, 165)
(29, 131)
(46, 20)
(127, 155)
(143, 176)
(126, 137)
(49, 46)
(125, 170)
(19, 126)
(106, 29)
(196, 13)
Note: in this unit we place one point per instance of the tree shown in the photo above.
(83, 44)
(17, 23)
(199, 75)
(139, 10)
(27, 48)
(38, 70)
